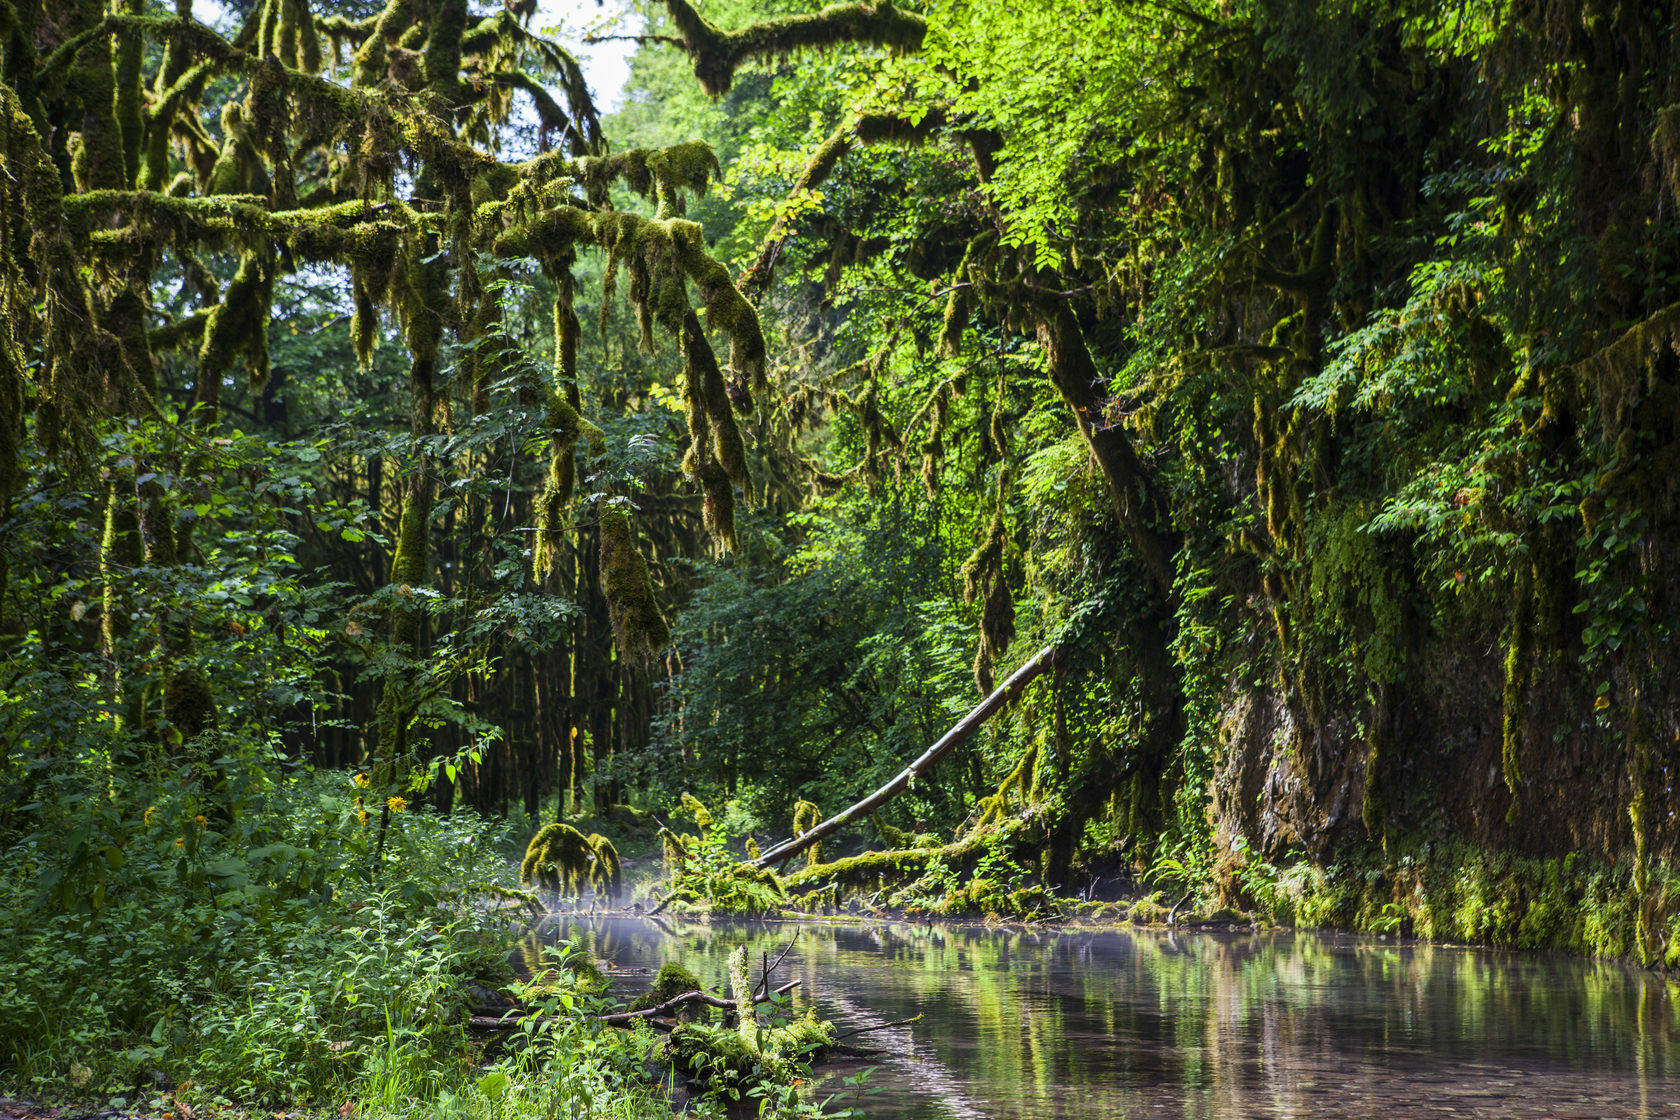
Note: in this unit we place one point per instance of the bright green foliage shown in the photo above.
(249, 938)
(1314, 407)
(705, 871)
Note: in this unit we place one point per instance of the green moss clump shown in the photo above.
(740, 888)
(898, 840)
(740, 987)
(558, 858)
(672, 981)
(714, 1055)
(702, 816)
(718, 1056)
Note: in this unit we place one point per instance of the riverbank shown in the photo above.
(1446, 892)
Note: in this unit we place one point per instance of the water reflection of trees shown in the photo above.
(1051, 1023)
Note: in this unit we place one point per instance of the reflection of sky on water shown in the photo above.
(1048, 1023)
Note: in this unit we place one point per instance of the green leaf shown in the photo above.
(493, 1085)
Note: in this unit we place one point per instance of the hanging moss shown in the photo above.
(628, 589)
(807, 816)
(1518, 654)
(933, 445)
(726, 309)
(702, 817)
(959, 305)
(559, 859)
(238, 325)
(716, 454)
(1373, 802)
(983, 580)
(673, 852)
(606, 874)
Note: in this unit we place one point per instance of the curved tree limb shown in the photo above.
(873, 128)
(717, 54)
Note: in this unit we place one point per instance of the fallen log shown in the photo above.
(967, 726)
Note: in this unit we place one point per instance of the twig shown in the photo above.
(671, 39)
(764, 983)
(916, 1018)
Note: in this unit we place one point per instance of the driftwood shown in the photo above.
(967, 726)
(707, 999)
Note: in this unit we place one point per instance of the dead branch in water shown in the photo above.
(707, 999)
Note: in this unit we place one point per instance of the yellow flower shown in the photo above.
(180, 841)
(396, 804)
(361, 815)
(361, 779)
(200, 821)
(1601, 703)
(151, 810)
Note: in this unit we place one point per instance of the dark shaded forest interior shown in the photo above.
(401, 458)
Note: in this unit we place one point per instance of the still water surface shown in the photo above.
(1106, 1024)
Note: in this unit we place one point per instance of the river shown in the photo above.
(1135, 1023)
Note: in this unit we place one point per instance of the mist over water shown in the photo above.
(1143, 1023)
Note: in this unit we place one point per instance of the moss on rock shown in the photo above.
(672, 981)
